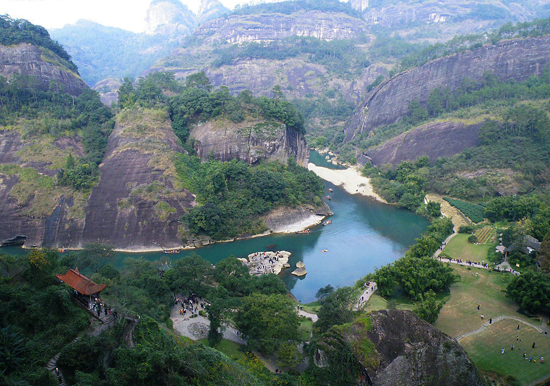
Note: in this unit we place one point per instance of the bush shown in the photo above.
(465, 229)
(472, 239)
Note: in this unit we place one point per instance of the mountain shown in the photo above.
(169, 17)
(516, 59)
(102, 52)
(210, 9)
(393, 347)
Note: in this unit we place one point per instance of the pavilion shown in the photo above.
(83, 286)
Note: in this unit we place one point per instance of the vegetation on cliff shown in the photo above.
(232, 196)
(15, 31)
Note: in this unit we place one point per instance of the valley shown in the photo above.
(396, 146)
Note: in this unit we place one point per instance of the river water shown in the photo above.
(364, 234)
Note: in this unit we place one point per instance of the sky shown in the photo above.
(125, 14)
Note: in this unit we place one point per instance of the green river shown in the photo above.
(364, 234)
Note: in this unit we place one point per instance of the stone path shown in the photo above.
(313, 317)
(370, 288)
(197, 328)
(436, 254)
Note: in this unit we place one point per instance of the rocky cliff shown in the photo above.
(32, 204)
(169, 17)
(210, 9)
(512, 59)
(40, 63)
(439, 139)
(249, 141)
(138, 202)
(274, 26)
(396, 348)
(298, 76)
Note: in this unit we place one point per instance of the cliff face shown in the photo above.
(268, 27)
(249, 141)
(168, 17)
(512, 59)
(40, 63)
(32, 204)
(396, 348)
(210, 9)
(139, 201)
(440, 139)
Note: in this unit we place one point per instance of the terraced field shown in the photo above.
(486, 235)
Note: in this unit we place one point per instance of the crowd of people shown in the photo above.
(192, 304)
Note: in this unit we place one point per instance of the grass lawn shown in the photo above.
(231, 349)
(377, 302)
(460, 248)
(477, 286)
(312, 307)
(305, 329)
(485, 351)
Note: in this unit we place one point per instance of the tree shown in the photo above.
(268, 321)
(323, 292)
(434, 209)
(429, 308)
(191, 274)
(336, 309)
(544, 255)
(531, 290)
(199, 80)
(96, 255)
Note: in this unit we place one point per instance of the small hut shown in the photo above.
(85, 289)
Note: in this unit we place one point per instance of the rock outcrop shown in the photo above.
(32, 204)
(396, 348)
(138, 202)
(439, 139)
(511, 59)
(210, 9)
(43, 65)
(269, 27)
(249, 141)
(169, 17)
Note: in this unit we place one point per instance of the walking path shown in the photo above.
(498, 319)
(440, 249)
(197, 328)
(370, 288)
(313, 317)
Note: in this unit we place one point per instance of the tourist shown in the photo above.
(502, 351)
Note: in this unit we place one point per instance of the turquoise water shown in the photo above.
(319, 160)
(364, 234)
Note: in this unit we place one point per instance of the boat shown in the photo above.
(329, 198)
(173, 250)
(328, 222)
(330, 190)
(303, 231)
(324, 250)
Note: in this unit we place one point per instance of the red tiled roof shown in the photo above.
(81, 283)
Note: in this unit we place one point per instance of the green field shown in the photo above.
(485, 351)
(476, 286)
(231, 349)
(460, 248)
(306, 325)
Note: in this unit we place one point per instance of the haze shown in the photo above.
(125, 14)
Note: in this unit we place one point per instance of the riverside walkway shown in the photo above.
(370, 288)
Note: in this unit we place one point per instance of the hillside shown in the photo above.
(72, 173)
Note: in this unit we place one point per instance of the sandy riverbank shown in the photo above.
(350, 179)
(301, 224)
(311, 220)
